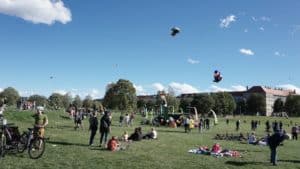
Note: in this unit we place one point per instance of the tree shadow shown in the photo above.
(66, 143)
(289, 161)
(243, 163)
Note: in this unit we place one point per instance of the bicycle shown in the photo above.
(33, 142)
(9, 137)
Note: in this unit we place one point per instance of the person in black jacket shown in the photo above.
(93, 127)
(104, 127)
(273, 142)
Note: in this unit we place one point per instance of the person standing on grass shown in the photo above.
(273, 142)
(131, 119)
(295, 130)
(40, 121)
(237, 124)
(121, 119)
(104, 127)
(93, 127)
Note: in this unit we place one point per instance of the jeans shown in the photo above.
(273, 156)
(295, 136)
(105, 135)
(93, 133)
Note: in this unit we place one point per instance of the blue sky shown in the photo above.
(86, 45)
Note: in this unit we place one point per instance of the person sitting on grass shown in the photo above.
(151, 135)
(252, 139)
(125, 136)
(113, 144)
(137, 135)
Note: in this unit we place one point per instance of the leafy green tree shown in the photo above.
(224, 103)
(256, 103)
(56, 101)
(185, 103)
(97, 105)
(67, 100)
(241, 106)
(77, 101)
(140, 103)
(292, 105)
(173, 102)
(278, 106)
(10, 95)
(150, 105)
(121, 95)
(38, 99)
(88, 102)
(203, 102)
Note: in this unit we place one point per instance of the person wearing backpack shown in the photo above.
(93, 127)
(104, 127)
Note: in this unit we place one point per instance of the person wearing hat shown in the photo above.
(40, 121)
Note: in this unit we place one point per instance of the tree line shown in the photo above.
(122, 96)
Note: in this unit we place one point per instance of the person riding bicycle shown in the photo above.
(41, 121)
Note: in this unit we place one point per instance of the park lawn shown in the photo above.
(69, 149)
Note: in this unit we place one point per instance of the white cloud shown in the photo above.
(238, 88)
(60, 91)
(225, 22)
(265, 18)
(158, 86)
(181, 88)
(261, 28)
(290, 87)
(94, 93)
(27, 93)
(139, 90)
(278, 54)
(37, 11)
(246, 51)
(254, 19)
(192, 61)
(215, 88)
(1, 89)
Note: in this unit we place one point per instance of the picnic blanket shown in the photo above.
(224, 153)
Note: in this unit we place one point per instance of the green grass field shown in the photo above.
(69, 149)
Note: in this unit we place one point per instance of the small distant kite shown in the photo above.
(217, 76)
(51, 77)
(174, 31)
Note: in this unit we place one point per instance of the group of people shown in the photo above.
(127, 119)
(105, 128)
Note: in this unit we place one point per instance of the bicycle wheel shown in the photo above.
(2, 145)
(36, 148)
(22, 144)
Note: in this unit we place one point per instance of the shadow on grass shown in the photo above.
(170, 131)
(243, 163)
(289, 161)
(66, 143)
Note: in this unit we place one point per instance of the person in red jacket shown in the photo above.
(113, 144)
